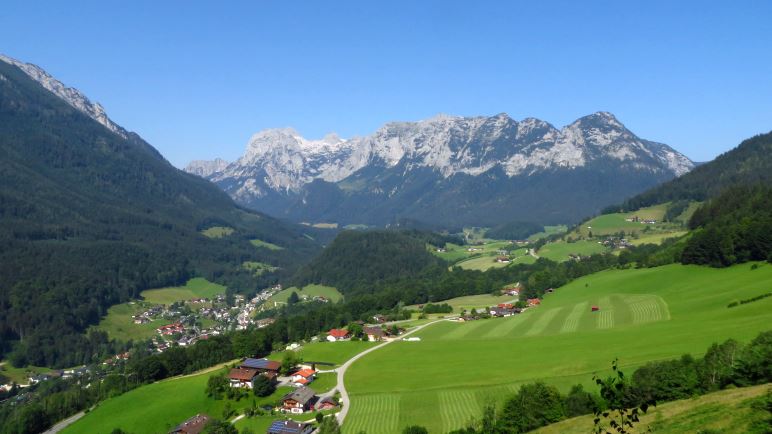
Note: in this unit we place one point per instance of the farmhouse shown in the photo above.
(326, 403)
(242, 377)
(289, 427)
(261, 365)
(534, 302)
(303, 377)
(194, 425)
(503, 260)
(141, 319)
(170, 329)
(379, 319)
(374, 333)
(298, 401)
(338, 335)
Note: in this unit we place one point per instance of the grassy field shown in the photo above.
(656, 238)
(258, 268)
(196, 287)
(217, 232)
(330, 352)
(548, 230)
(9, 373)
(647, 314)
(265, 245)
(309, 291)
(158, 407)
(473, 301)
(119, 323)
(559, 250)
(728, 411)
(607, 224)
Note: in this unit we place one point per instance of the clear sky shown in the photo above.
(196, 79)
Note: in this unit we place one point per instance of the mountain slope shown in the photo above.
(91, 215)
(449, 171)
(749, 163)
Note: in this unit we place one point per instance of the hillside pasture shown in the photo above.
(217, 232)
(548, 230)
(119, 324)
(258, 268)
(472, 301)
(306, 292)
(644, 315)
(559, 250)
(728, 411)
(195, 288)
(265, 245)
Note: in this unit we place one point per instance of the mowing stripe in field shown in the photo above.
(375, 414)
(605, 318)
(541, 323)
(457, 408)
(413, 407)
(647, 308)
(464, 329)
(572, 320)
(505, 326)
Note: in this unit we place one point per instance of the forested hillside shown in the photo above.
(747, 164)
(89, 219)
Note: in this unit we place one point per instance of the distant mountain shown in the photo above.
(90, 215)
(204, 168)
(449, 171)
(748, 164)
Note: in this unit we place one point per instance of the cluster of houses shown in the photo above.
(616, 243)
(373, 333)
(197, 425)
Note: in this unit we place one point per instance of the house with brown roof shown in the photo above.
(298, 401)
(374, 333)
(194, 425)
(242, 377)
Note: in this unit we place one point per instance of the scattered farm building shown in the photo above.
(261, 365)
(290, 427)
(242, 377)
(299, 400)
(326, 403)
(338, 335)
(303, 377)
(374, 333)
(194, 425)
(534, 302)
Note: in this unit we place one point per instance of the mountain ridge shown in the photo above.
(281, 171)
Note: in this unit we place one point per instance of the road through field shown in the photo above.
(341, 387)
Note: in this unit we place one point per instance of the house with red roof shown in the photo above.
(338, 335)
(303, 377)
(534, 302)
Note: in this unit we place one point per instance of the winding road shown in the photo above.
(341, 387)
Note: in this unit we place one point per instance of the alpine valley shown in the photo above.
(447, 172)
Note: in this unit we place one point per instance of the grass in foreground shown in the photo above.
(647, 314)
(727, 411)
(195, 288)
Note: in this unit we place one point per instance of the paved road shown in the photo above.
(64, 423)
(341, 387)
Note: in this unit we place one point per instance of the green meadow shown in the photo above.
(330, 352)
(258, 268)
(731, 411)
(559, 250)
(119, 324)
(217, 231)
(650, 314)
(265, 245)
(194, 288)
(473, 301)
(308, 291)
(548, 230)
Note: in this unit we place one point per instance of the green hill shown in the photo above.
(90, 218)
(748, 163)
(645, 314)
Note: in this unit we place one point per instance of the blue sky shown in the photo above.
(196, 79)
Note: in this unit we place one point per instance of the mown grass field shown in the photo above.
(473, 301)
(265, 245)
(330, 352)
(194, 288)
(217, 231)
(728, 411)
(559, 250)
(647, 314)
(309, 291)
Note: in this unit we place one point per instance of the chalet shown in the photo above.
(534, 302)
(380, 319)
(303, 377)
(242, 377)
(506, 305)
(326, 403)
(374, 333)
(261, 365)
(502, 311)
(503, 260)
(289, 427)
(298, 401)
(338, 335)
(194, 425)
(140, 319)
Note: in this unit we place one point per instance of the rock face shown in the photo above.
(205, 168)
(450, 171)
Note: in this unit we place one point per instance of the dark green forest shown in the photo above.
(89, 219)
(516, 230)
(748, 164)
